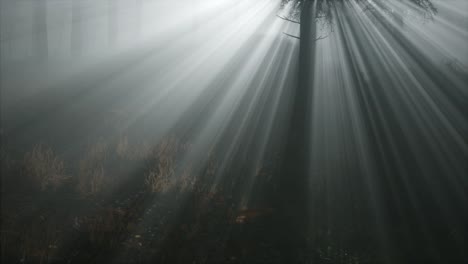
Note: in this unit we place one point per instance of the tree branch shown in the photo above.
(287, 19)
(292, 36)
(296, 37)
(321, 37)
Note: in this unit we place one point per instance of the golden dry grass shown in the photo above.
(166, 173)
(44, 168)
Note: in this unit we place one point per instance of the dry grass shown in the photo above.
(160, 177)
(101, 160)
(163, 174)
(91, 174)
(44, 168)
(122, 148)
(186, 181)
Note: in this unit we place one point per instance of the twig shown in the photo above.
(321, 37)
(287, 19)
(292, 36)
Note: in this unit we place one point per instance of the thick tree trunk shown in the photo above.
(294, 174)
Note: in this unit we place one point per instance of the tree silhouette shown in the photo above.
(303, 206)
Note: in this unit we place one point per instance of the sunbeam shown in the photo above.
(234, 131)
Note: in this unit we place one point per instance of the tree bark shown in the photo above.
(294, 206)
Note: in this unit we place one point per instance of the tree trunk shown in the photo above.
(294, 204)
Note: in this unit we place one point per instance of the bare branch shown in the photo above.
(317, 17)
(292, 36)
(321, 37)
(287, 19)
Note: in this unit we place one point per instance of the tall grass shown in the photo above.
(165, 172)
(44, 168)
(91, 173)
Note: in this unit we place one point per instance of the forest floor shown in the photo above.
(126, 204)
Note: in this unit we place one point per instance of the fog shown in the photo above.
(370, 156)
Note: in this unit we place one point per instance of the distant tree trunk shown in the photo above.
(294, 173)
(40, 43)
(112, 27)
(76, 44)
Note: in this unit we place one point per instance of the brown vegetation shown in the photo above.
(91, 175)
(165, 172)
(44, 168)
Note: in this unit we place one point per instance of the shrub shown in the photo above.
(162, 176)
(44, 167)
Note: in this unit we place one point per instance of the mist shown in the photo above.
(234, 131)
